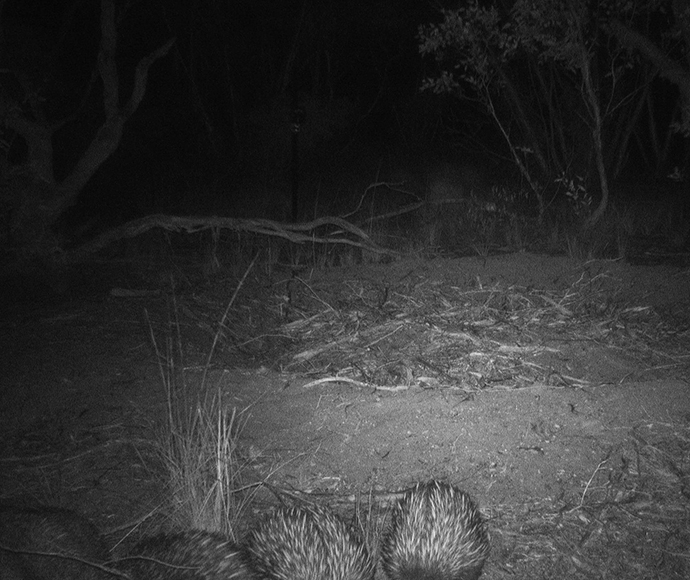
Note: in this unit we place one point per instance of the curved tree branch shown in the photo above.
(109, 135)
(668, 68)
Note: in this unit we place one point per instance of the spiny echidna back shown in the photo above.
(308, 543)
(436, 533)
(191, 555)
(67, 536)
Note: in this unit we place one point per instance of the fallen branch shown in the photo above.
(296, 233)
(355, 383)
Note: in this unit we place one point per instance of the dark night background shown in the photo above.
(482, 278)
(212, 134)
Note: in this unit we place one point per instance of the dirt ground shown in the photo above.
(556, 393)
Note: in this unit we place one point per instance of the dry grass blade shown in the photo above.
(223, 318)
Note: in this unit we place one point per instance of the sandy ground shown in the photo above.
(549, 413)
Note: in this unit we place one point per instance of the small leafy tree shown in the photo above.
(548, 78)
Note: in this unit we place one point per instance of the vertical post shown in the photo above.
(295, 126)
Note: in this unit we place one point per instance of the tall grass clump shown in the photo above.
(197, 442)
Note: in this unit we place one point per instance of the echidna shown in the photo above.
(436, 533)
(45, 543)
(308, 543)
(190, 555)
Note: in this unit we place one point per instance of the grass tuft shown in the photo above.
(197, 441)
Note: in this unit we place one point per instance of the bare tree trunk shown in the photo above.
(668, 68)
(597, 129)
(37, 197)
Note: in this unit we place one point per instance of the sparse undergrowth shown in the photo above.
(636, 493)
(451, 334)
(628, 520)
